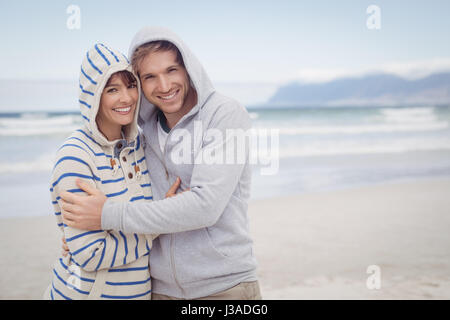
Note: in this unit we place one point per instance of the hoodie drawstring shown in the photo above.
(114, 163)
(137, 169)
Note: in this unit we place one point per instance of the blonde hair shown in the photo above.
(161, 45)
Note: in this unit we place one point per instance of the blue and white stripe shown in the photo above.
(85, 155)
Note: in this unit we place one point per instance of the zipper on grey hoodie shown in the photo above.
(172, 258)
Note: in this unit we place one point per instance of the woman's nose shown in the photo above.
(126, 97)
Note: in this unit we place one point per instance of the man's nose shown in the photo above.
(163, 84)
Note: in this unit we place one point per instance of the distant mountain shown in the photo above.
(370, 90)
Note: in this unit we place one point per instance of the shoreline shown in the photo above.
(394, 181)
(315, 245)
(40, 190)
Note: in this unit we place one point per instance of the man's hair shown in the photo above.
(142, 51)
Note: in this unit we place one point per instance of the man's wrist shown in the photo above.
(111, 218)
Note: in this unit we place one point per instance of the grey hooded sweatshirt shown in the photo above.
(205, 246)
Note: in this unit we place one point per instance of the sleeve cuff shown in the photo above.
(112, 216)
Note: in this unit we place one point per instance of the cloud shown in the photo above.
(418, 68)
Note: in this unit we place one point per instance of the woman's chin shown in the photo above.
(124, 120)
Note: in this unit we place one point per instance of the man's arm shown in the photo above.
(211, 188)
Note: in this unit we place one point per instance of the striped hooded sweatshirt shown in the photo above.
(101, 264)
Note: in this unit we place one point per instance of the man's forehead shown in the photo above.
(159, 59)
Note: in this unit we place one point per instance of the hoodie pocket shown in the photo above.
(196, 258)
(213, 246)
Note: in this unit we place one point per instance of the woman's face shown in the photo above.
(118, 102)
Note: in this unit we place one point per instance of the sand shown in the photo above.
(310, 246)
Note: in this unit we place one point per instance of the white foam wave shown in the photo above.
(352, 148)
(358, 129)
(331, 148)
(37, 122)
(409, 115)
(416, 111)
(42, 163)
(35, 131)
(253, 115)
(29, 125)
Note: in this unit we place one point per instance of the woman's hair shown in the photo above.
(126, 76)
(142, 51)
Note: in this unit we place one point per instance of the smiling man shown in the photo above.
(165, 79)
(204, 250)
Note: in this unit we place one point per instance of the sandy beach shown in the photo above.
(310, 246)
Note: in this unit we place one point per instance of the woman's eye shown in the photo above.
(173, 69)
(133, 85)
(111, 90)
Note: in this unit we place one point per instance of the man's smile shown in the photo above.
(170, 96)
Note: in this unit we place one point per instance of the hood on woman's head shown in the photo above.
(98, 65)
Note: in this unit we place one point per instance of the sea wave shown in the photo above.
(45, 162)
(253, 115)
(32, 125)
(359, 129)
(352, 148)
(41, 164)
(409, 115)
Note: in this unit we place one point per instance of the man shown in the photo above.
(204, 250)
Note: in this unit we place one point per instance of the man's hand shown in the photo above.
(83, 212)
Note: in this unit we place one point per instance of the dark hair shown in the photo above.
(126, 76)
(161, 45)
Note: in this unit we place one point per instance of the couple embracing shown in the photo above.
(136, 224)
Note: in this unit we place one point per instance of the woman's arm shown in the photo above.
(97, 249)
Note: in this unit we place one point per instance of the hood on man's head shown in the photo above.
(99, 63)
(198, 76)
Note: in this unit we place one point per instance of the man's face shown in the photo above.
(165, 82)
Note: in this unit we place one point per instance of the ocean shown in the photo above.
(320, 149)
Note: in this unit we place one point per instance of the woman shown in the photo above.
(108, 154)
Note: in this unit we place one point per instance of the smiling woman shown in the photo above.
(105, 154)
(117, 104)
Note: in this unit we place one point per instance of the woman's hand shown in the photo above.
(65, 247)
(173, 189)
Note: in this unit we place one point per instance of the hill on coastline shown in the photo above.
(370, 90)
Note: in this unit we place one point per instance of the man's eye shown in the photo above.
(133, 85)
(148, 77)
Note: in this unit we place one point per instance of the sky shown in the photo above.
(249, 42)
(237, 41)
